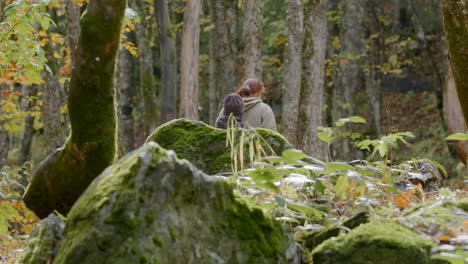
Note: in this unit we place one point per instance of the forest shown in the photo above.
(233, 131)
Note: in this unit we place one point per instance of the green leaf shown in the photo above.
(261, 175)
(325, 137)
(265, 185)
(337, 166)
(340, 187)
(319, 187)
(383, 149)
(301, 208)
(458, 136)
(294, 154)
(357, 119)
(273, 159)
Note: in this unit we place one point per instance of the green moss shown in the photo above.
(382, 242)
(183, 211)
(205, 146)
(432, 213)
(60, 180)
(462, 204)
(43, 242)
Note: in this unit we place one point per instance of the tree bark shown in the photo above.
(374, 59)
(212, 91)
(347, 81)
(126, 91)
(313, 89)
(52, 96)
(292, 71)
(73, 28)
(147, 80)
(455, 15)
(454, 117)
(28, 92)
(253, 60)
(189, 91)
(223, 53)
(168, 62)
(65, 174)
(4, 145)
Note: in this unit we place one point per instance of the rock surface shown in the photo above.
(43, 243)
(383, 242)
(151, 207)
(205, 146)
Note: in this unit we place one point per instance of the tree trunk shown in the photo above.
(28, 93)
(126, 92)
(147, 80)
(373, 61)
(53, 99)
(253, 60)
(292, 71)
(454, 117)
(65, 174)
(347, 81)
(313, 89)
(189, 102)
(73, 28)
(223, 54)
(212, 91)
(4, 145)
(456, 27)
(168, 62)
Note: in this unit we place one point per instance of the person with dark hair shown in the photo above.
(256, 112)
(233, 104)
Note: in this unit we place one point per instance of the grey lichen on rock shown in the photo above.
(151, 207)
(43, 244)
(205, 146)
(383, 241)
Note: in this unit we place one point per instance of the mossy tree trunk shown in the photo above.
(64, 175)
(455, 14)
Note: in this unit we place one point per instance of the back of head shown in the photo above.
(255, 85)
(234, 104)
(244, 91)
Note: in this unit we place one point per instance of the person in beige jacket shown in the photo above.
(256, 112)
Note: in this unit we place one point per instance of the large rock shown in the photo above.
(151, 207)
(205, 146)
(383, 242)
(43, 243)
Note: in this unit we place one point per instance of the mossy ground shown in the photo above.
(205, 146)
(383, 241)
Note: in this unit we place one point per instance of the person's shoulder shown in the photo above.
(265, 106)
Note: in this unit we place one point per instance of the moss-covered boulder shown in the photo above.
(444, 214)
(43, 243)
(151, 207)
(205, 146)
(383, 242)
